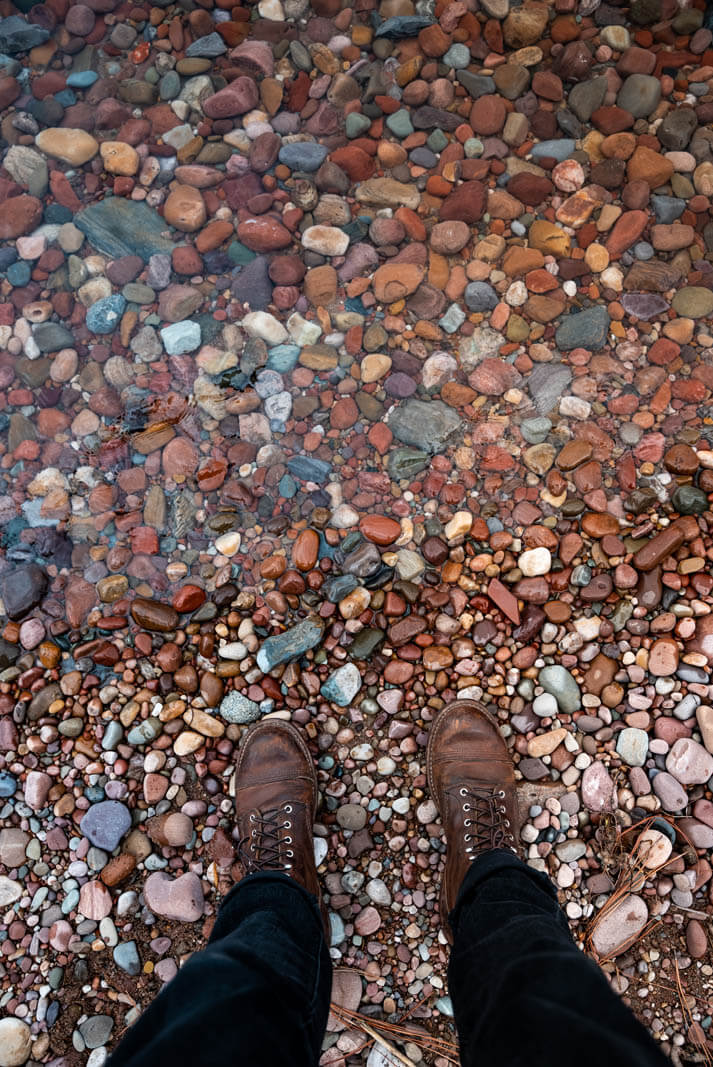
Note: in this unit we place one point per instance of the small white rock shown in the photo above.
(326, 240)
(15, 1042)
(228, 543)
(535, 562)
(262, 324)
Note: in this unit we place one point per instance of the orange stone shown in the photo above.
(306, 550)
(380, 529)
(597, 524)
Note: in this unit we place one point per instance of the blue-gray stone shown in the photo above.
(105, 315)
(423, 157)
(237, 708)
(82, 79)
(287, 486)
(401, 26)
(17, 35)
(207, 47)
(667, 208)
(8, 784)
(19, 273)
(342, 685)
(633, 746)
(96, 1030)
(181, 337)
(106, 823)
(583, 329)
(337, 932)
(170, 85)
(557, 680)
(309, 469)
(120, 227)
(303, 155)
(126, 957)
(479, 296)
(22, 589)
(535, 430)
(457, 57)
(335, 589)
(251, 285)
(453, 319)
(112, 735)
(52, 337)
(560, 149)
(429, 425)
(290, 645)
(643, 250)
(283, 358)
(581, 575)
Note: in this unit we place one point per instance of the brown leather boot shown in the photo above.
(472, 780)
(275, 803)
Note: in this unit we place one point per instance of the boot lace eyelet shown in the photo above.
(288, 808)
(288, 840)
(464, 792)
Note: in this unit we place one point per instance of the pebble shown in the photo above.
(619, 926)
(15, 1039)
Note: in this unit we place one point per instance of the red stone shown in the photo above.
(188, 598)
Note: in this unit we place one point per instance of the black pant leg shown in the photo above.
(258, 994)
(523, 994)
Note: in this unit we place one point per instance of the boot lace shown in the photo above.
(265, 847)
(486, 822)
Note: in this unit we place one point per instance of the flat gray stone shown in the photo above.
(547, 383)
(290, 645)
(584, 329)
(431, 426)
(120, 227)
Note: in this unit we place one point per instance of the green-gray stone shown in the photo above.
(120, 227)
(355, 124)
(557, 680)
(689, 500)
(430, 425)
(400, 123)
(693, 302)
(51, 337)
(290, 645)
(138, 293)
(405, 463)
(365, 643)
